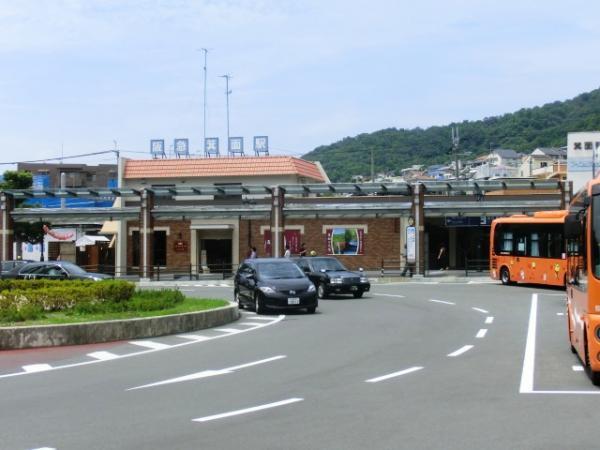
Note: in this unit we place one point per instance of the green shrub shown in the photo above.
(155, 300)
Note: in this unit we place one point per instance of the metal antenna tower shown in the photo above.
(205, 50)
(455, 142)
(227, 92)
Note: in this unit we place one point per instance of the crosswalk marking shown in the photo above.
(150, 344)
(193, 337)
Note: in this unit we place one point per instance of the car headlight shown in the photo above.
(267, 290)
(364, 280)
(336, 281)
(312, 288)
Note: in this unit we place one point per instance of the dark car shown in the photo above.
(8, 266)
(276, 283)
(331, 277)
(53, 270)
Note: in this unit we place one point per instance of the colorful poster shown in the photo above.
(345, 241)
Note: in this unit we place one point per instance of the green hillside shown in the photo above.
(524, 130)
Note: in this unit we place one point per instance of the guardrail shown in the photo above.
(184, 272)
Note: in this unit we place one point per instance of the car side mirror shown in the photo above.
(572, 227)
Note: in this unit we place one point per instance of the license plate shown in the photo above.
(293, 301)
(354, 288)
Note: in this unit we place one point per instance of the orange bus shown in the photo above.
(529, 249)
(582, 232)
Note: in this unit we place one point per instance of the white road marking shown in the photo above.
(208, 373)
(566, 392)
(560, 314)
(272, 321)
(529, 358)
(104, 356)
(248, 324)
(577, 368)
(460, 351)
(489, 319)
(44, 448)
(32, 368)
(481, 333)
(480, 310)
(388, 295)
(441, 301)
(229, 330)
(393, 375)
(193, 337)
(150, 344)
(258, 318)
(248, 410)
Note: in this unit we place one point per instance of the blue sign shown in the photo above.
(181, 147)
(157, 148)
(261, 145)
(236, 146)
(462, 221)
(211, 146)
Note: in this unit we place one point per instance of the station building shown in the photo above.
(202, 215)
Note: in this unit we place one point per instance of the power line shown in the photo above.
(59, 158)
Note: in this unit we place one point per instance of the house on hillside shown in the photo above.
(544, 162)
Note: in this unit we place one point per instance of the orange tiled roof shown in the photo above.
(222, 167)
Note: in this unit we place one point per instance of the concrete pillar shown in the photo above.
(7, 205)
(452, 248)
(277, 221)
(146, 233)
(418, 208)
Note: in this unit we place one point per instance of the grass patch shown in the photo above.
(148, 306)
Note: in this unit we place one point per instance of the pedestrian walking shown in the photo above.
(442, 258)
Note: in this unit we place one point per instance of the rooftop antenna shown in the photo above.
(455, 142)
(205, 50)
(227, 92)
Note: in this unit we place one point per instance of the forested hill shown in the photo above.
(524, 130)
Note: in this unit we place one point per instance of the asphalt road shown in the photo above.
(409, 366)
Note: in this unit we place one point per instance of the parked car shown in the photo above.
(331, 277)
(53, 270)
(7, 266)
(276, 283)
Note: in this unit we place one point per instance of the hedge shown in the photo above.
(28, 299)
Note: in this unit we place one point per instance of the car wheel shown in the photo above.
(259, 305)
(357, 294)
(321, 291)
(238, 300)
(505, 276)
(311, 309)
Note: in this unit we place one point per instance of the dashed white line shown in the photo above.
(483, 311)
(228, 330)
(489, 319)
(388, 295)
(31, 368)
(560, 314)
(208, 373)
(248, 410)
(441, 301)
(193, 337)
(460, 351)
(150, 344)
(258, 318)
(393, 375)
(577, 368)
(481, 333)
(44, 448)
(104, 356)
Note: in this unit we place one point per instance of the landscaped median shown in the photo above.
(41, 313)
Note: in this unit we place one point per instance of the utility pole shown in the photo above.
(205, 50)
(227, 92)
(372, 167)
(455, 142)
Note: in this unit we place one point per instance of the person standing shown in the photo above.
(302, 251)
(407, 266)
(252, 252)
(442, 258)
(287, 253)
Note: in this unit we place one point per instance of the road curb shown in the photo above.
(114, 330)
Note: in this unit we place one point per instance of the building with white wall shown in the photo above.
(582, 157)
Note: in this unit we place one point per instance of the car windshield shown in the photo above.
(73, 269)
(327, 265)
(278, 270)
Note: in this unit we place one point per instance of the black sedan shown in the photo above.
(53, 270)
(331, 277)
(8, 266)
(276, 283)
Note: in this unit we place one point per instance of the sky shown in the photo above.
(79, 76)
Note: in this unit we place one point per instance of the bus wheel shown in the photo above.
(594, 376)
(505, 276)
